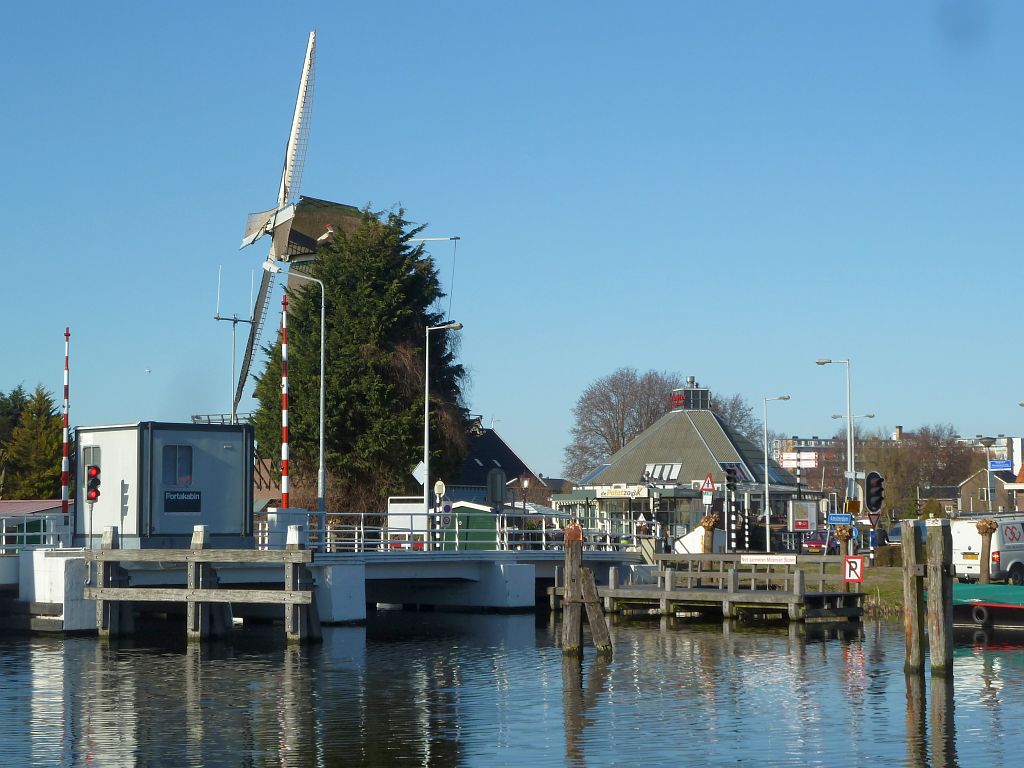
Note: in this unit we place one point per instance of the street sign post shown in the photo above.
(840, 518)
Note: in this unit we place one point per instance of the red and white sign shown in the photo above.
(801, 525)
(709, 484)
(853, 569)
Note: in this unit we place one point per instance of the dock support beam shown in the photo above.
(301, 622)
(113, 618)
(205, 620)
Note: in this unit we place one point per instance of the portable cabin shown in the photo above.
(159, 480)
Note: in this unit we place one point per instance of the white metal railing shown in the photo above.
(19, 532)
(369, 532)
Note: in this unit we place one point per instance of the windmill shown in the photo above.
(278, 221)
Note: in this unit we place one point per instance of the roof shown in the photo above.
(697, 440)
(1001, 475)
(486, 451)
(15, 508)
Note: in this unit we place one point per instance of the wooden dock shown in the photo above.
(734, 586)
(208, 606)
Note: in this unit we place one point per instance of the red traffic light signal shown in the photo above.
(92, 482)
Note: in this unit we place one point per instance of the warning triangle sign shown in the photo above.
(709, 484)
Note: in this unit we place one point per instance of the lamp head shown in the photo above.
(271, 267)
(823, 361)
(783, 397)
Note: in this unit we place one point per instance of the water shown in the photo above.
(473, 690)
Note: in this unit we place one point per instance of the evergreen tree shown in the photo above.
(380, 291)
(34, 450)
(11, 406)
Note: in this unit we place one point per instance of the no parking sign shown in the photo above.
(853, 569)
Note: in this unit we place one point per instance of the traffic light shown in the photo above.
(92, 483)
(874, 491)
(730, 478)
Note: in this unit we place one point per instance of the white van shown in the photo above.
(1007, 548)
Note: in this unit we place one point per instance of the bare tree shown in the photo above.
(739, 414)
(611, 412)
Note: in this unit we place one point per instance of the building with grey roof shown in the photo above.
(659, 474)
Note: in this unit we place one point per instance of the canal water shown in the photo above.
(449, 689)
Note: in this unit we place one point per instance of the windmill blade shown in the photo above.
(298, 138)
(259, 314)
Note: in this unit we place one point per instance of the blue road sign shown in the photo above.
(996, 464)
(839, 518)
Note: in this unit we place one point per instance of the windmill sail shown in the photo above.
(278, 222)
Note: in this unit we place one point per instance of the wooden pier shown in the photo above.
(734, 586)
(208, 606)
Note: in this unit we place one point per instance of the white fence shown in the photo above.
(369, 532)
(18, 532)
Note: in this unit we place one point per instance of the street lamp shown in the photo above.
(857, 416)
(988, 443)
(426, 408)
(767, 506)
(851, 486)
(321, 499)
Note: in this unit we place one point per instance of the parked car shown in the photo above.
(814, 543)
(1006, 558)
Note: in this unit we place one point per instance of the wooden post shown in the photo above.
(940, 596)
(113, 617)
(595, 616)
(613, 583)
(572, 605)
(796, 608)
(913, 597)
(204, 620)
(732, 585)
(669, 584)
(554, 592)
(301, 622)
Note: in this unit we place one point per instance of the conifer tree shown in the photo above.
(33, 452)
(381, 294)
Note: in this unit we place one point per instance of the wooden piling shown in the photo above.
(613, 584)
(913, 597)
(205, 620)
(113, 618)
(940, 596)
(572, 604)
(595, 616)
(301, 621)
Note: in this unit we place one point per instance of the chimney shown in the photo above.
(897, 433)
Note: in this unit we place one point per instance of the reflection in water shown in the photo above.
(462, 689)
(577, 699)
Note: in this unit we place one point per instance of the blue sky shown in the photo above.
(726, 190)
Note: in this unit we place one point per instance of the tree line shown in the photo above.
(30, 445)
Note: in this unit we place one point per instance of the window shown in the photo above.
(983, 494)
(90, 456)
(177, 465)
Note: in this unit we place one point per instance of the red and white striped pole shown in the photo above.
(65, 467)
(284, 402)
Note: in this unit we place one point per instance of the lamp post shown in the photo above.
(767, 505)
(321, 478)
(988, 442)
(426, 408)
(851, 485)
